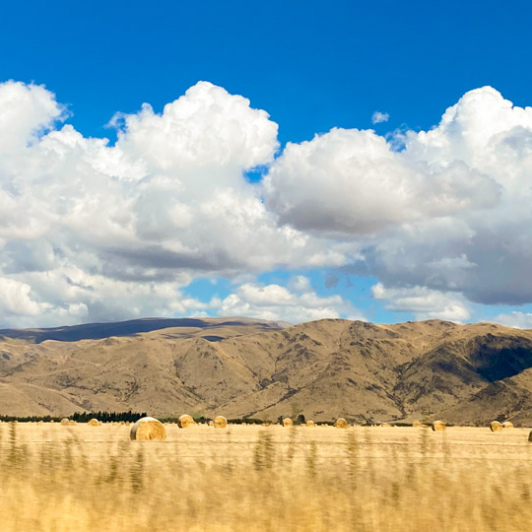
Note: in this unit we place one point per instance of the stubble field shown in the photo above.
(78, 478)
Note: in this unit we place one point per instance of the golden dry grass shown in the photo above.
(249, 478)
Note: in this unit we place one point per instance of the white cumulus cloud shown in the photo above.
(447, 208)
(519, 320)
(107, 231)
(92, 231)
(275, 302)
(423, 302)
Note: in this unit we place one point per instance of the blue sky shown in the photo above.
(388, 225)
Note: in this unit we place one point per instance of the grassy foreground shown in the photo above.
(57, 478)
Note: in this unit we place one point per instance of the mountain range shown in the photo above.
(238, 367)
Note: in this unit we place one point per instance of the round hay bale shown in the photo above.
(438, 426)
(416, 424)
(93, 422)
(71, 422)
(495, 426)
(340, 423)
(211, 423)
(386, 425)
(65, 421)
(148, 428)
(530, 436)
(507, 425)
(287, 422)
(185, 421)
(220, 422)
(310, 423)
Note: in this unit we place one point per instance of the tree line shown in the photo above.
(80, 417)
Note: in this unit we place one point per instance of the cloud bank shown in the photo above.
(447, 209)
(92, 231)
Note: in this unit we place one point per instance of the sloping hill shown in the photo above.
(324, 369)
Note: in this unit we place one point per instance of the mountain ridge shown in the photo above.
(323, 369)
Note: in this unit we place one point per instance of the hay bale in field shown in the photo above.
(310, 423)
(416, 424)
(220, 422)
(287, 422)
(507, 425)
(93, 422)
(386, 425)
(438, 426)
(495, 426)
(185, 421)
(148, 428)
(530, 436)
(340, 423)
(65, 421)
(71, 422)
(211, 423)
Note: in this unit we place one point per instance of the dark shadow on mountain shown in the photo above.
(499, 357)
(213, 338)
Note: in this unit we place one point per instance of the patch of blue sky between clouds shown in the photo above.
(255, 175)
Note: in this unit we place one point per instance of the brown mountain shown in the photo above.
(240, 367)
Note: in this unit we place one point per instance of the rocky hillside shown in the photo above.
(237, 367)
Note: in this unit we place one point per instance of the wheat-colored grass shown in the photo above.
(249, 478)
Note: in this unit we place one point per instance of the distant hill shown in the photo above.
(239, 367)
(95, 331)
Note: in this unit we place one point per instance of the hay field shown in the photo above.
(59, 478)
